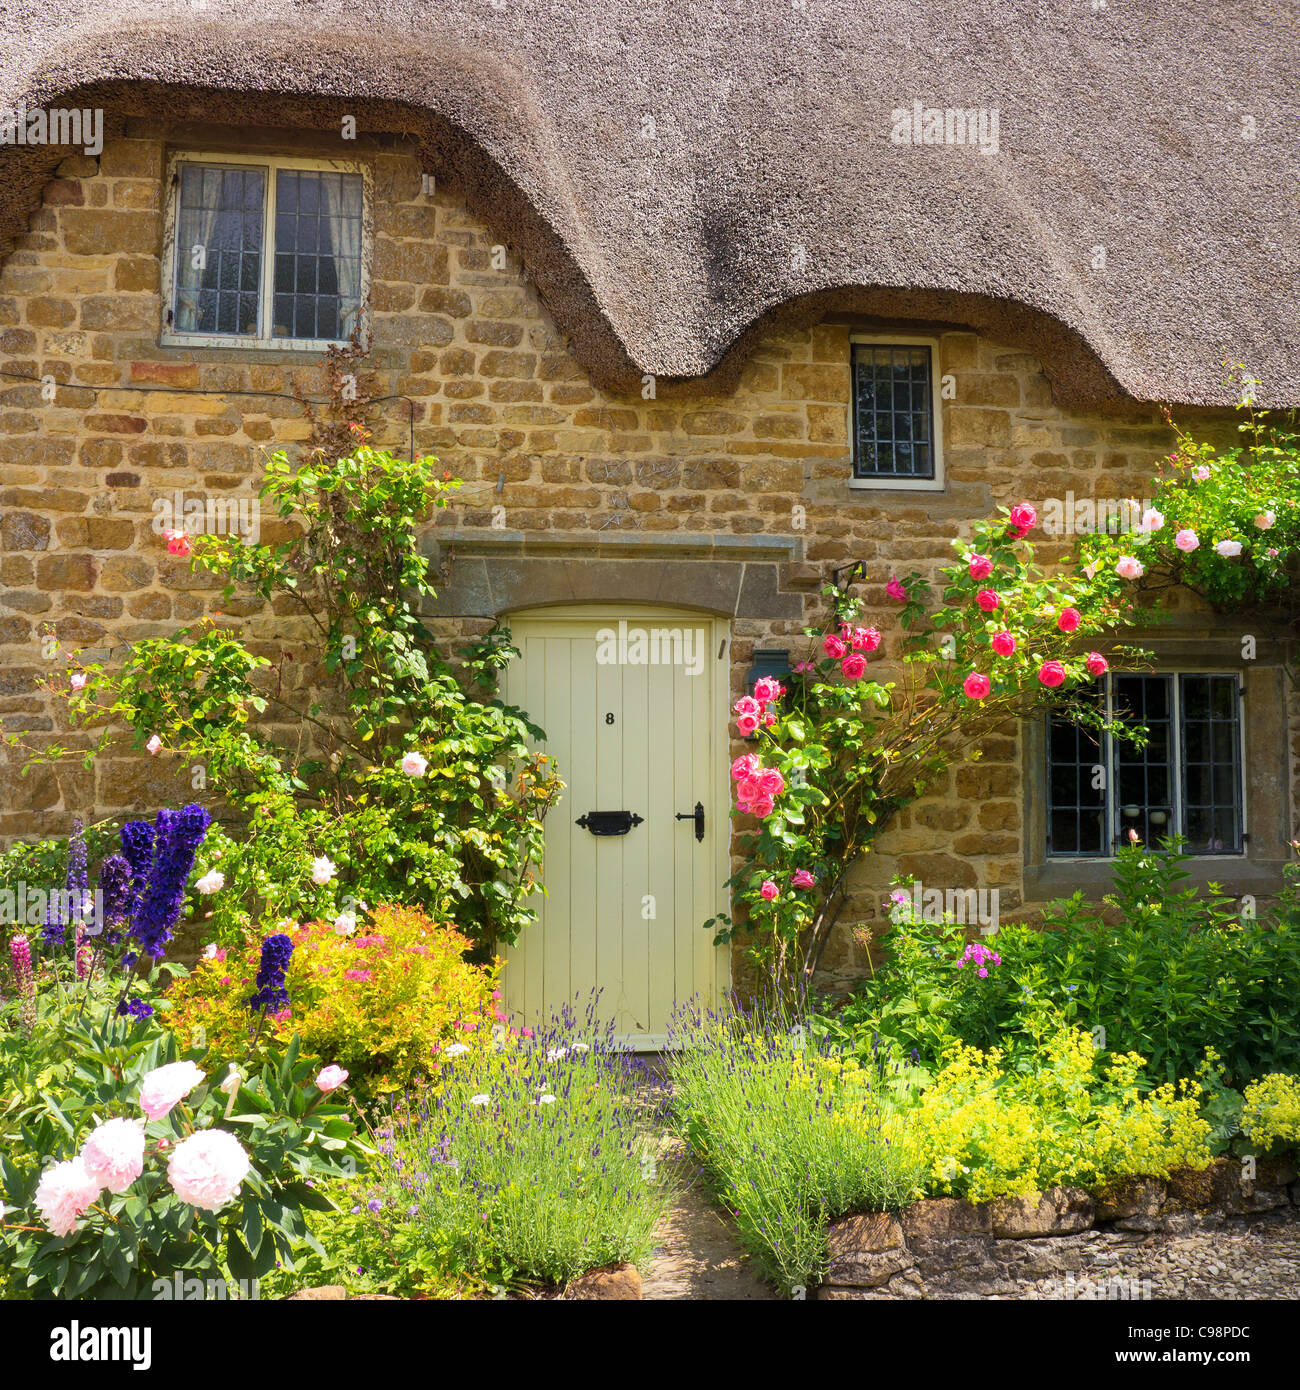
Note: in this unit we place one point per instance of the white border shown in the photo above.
(883, 484)
(168, 338)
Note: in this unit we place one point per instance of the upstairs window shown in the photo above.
(896, 419)
(264, 253)
(1186, 779)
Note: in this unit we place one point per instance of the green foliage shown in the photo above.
(1270, 1114)
(307, 751)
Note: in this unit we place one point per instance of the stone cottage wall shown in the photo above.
(503, 404)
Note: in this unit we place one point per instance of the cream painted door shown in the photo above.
(633, 702)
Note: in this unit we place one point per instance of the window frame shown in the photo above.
(1178, 736)
(271, 164)
(887, 482)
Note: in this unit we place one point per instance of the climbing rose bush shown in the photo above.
(866, 723)
(382, 999)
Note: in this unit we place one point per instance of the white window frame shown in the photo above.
(271, 164)
(1114, 815)
(888, 484)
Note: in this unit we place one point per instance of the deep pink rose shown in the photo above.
(766, 690)
(761, 806)
(1004, 643)
(895, 590)
(980, 567)
(1022, 519)
(987, 600)
(976, 686)
(769, 890)
(770, 782)
(1068, 619)
(1097, 664)
(744, 766)
(1051, 673)
(750, 787)
(854, 666)
(801, 878)
(865, 639)
(746, 724)
(833, 646)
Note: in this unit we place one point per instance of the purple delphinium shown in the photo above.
(134, 1008)
(78, 880)
(177, 838)
(137, 845)
(274, 966)
(115, 896)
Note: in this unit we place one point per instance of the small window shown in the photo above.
(1186, 779)
(895, 419)
(264, 254)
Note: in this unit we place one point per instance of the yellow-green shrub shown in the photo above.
(383, 1003)
(1270, 1113)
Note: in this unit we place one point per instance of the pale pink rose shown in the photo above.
(1051, 673)
(1004, 643)
(114, 1154)
(65, 1190)
(980, 567)
(330, 1078)
(1186, 540)
(1201, 473)
(1229, 549)
(988, 600)
(770, 782)
(414, 765)
(762, 806)
(206, 1169)
(744, 766)
(1127, 567)
(1097, 664)
(976, 686)
(833, 646)
(854, 666)
(166, 1086)
(1265, 519)
(78, 681)
(769, 719)
(1068, 619)
(747, 724)
(747, 704)
(769, 891)
(801, 878)
(1272, 552)
(323, 869)
(1152, 520)
(154, 744)
(895, 589)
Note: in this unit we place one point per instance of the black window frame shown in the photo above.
(929, 477)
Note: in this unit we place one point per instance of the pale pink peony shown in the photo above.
(1068, 619)
(834, 646)
(1004, 644)
(769, 891)
(980, 567)
(988, 600)
(164, 1087)
(414, 765)
(1097, 664)
(1262, 519)
(1052, 674)
(206, 1169)
(1127, 567)
(1229, 549)
(65, 1190)
(976, 686)
(114, 1154)
(1186, 540)
(744, 766)
(323, 869)
(330, 1078)
(854, 666)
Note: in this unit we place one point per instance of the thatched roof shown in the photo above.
(769, 189)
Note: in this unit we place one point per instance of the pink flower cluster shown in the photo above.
(753, 710)
(848, 645)
(981, 956)
(757, 787)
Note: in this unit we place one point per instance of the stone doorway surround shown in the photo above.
(482, 573)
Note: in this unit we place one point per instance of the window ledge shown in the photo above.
(1060, 878)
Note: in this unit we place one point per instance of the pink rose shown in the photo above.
(206, 1168)
(1004, 643)
(744, 766)
(833, 646)
(1186, 540)
(154, 744)
(167, 1086)
(178, 543)
(1127, 567)
(854, 666)
(769, 891)
(78, 681)
(1068, 619)
(1051, 673)
(65, 1190)
(750, 787)
(1201, 473)
(976, 686)
(895, 589)
(770, 782)
(980, 567)
(1229, 549)
(747, 724)
(1097, 664)
(769, 719)
(801, 878)
(1022, 519)
(114, 1154)
(330, 1079)
(865, 639)
(766, 690)
(1152, 520)
(748, 705)
(762, 806)
(987, 600)
(1265, 519)
(414, 765)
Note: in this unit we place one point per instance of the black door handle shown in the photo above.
(697, 815)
